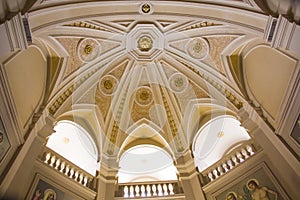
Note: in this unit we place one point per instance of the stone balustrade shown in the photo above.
(68, 169)
(230, 161)
(148, 189)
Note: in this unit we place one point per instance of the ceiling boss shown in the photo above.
(145, 43)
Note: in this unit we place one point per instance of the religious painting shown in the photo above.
(45, 189)
(4, 141)
(296, 131)
(257, 184)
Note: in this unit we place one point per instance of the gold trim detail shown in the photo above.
(68, 92)
(146, 8)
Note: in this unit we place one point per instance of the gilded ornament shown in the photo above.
(145, 43)
(146, 8)
(88, 49)
(108, 84)
(143, 96)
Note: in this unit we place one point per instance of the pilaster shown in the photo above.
(107, 179)
(188, 176)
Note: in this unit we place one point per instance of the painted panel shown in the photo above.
(46, 189)
(258, 183)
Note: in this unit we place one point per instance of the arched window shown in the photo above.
(215, 138)
(146, 163)
(73, 143)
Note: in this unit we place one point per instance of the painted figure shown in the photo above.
(260, 192)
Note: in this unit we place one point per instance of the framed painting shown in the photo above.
(45, 189)
(257, 183)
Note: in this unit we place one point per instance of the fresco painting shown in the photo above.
(256, 186)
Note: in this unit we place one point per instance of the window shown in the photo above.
(215, 138)
(73, 143)
(146, 163)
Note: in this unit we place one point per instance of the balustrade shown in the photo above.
(229, 162)
(67, 168)
(148, 189)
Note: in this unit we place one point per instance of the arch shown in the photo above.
(75, 144)
(200, 112)
(214, 139)
(144, 132)
(146, 163)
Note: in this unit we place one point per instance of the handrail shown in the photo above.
(68, 169)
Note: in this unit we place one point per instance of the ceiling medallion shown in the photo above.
(143, 96)
(145, 43)
(108, 84)
(88, 49)
(178, 82)
(198, 48)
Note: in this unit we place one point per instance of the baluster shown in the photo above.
(250, 149)
(76, 176)
(125, 191)
(57, 163)
(143, 191)
(52, 161)
(131, 190)
(137, 190)
(67, 170)
(230, 164)
(71, 173)
(154, 190)
(62, 167)
(210, 176)
(240, 157)
(224, 165)
(215, 172)
(244, 153)
(220, 170)
(47, 157)
(159, 188)
(85, 181)
(80, 178)
(234, 159)
(148, 188)
(171, 188)
(165, 187)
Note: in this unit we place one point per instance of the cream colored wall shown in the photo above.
(267, 74)
(26, 76)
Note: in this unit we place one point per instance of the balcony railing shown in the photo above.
(229, 162)
(68, 169)
(149, 189)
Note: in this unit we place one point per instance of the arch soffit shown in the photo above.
(144, 132)
(80, 117)
(200, 113)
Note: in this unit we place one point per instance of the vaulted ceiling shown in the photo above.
(152, 72)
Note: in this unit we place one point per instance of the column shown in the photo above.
(107, 179)
(188, 176)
